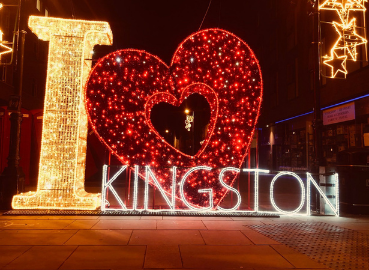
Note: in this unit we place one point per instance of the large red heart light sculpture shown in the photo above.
(124, 86)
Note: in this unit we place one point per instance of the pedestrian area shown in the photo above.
(134, 242)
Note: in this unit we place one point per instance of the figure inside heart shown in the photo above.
(125, 85)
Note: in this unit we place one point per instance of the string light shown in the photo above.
(345, 48)
(221, 175)
(213, 63)
(107, 186)
(5, 49)
(310, 180)
(64, 133)
(302, 192)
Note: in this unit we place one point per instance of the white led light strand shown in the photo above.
(200, 190)
(108, 184)
(321, 192)
(221, 175)
(256, 186)
(135, 188)
(149, 174)
(302, 192)
(174, 183)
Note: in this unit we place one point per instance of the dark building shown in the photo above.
(286, 54)
(33, 79)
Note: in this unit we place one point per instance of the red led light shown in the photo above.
(124, 86)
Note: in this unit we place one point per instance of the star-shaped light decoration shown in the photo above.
(337, 63)
(343, 7)
(3, 48)
(345, 48)
(348, 38)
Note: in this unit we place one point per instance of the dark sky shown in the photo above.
(159, 26)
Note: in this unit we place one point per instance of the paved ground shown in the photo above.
(108, 242)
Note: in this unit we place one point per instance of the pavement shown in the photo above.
(155, 242)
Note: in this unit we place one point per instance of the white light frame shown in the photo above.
(305, 195)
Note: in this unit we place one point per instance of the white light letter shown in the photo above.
(302, 192)
(210, 191)
(256, 186)
(148, 174)
(230, 188)
(107, 185)
(135, 188)
(334, 209)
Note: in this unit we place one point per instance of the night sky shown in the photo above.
(159, 26)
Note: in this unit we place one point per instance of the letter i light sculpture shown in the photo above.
(64, 134)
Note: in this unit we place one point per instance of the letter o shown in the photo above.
(302, 193)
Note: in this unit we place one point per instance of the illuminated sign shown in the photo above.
(172, 196)
(345, 47)
(64, 130)
(125, 85)
(339, 114)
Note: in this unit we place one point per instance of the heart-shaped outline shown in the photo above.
(185, 78)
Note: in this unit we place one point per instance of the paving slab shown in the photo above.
(181, 224)
(100, 237)
(10, 253)
(258, 238)
(152, 217)
(230, 225)
(120, 217)
(35, 237)
(106, 257)
(297, 259)
(196, 218)
(82, 224)
(124, 224)
(163, 256)
(215, 257)
(33, 224)
(74, 217)
(226, 238)
(166, 237)
(42, 257)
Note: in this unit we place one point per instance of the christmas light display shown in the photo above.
(124, 86)
(345, 48)
(333, 203)
(302, 192)
(64, 133)
(3, 48)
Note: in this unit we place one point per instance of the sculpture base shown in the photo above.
(46, 199)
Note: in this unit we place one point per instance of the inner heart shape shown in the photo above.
(124, 86)
(173, 123)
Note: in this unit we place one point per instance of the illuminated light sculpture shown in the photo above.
(302, 192)
(332, 201)
(3, 48)
(64, 134)
(345, 48)
(124, 86)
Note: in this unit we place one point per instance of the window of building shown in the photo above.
(46, 13)
(38, 5)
